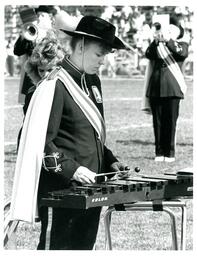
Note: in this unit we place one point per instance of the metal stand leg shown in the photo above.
(148, 206)
(107, 220)
(183, 227)
(173, 228)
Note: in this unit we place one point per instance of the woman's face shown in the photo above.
(43, 71)
(174, 31)
(93, 57)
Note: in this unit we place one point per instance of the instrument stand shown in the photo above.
(156, 205)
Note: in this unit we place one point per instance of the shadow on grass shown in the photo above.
(10, 153)
(141, 157)
(128, 142)
(10, 156)
(142, 142)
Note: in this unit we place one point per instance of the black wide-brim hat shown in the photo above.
(46, 8)
(97, 28)
(175, 21)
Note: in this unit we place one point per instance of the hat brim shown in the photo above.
(116, 44)
(46, 10)
(181, 32)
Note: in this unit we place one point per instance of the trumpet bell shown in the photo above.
(30, 31)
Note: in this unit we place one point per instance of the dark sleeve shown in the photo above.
(109, 158)
(28, 99)
(178, 49)
(54, 160)
(23, 46)
(151, 51)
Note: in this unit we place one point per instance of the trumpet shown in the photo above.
(158, 32)
(157, 26)
(30, 31)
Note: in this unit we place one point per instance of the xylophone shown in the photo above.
(129, 190)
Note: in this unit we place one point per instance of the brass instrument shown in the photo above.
(29, 20)
(30, 31)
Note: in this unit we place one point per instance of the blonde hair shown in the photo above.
(48, 53)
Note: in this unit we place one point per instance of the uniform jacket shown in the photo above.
(162, 83)
(71, 139)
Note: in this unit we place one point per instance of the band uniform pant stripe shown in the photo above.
(49, 226)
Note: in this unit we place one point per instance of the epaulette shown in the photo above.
(53, 73)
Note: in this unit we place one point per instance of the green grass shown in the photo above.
(130, 136)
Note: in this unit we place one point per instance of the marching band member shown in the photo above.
(65, 121)
(166, 86)
(42, 18)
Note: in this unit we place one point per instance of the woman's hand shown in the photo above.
(122, 170)
(84, 175)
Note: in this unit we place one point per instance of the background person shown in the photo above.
(10, 58)
(74, 148)
(166, 86)
(43, 20)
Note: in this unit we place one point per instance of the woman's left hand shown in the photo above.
(121, 169)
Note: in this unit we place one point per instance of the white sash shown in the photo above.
(84, 102)
(145, 105)
(32, 142)
(30, 153)
(174, 68)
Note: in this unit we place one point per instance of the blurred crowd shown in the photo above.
(134, 26)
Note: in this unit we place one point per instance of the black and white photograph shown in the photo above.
(98, 126)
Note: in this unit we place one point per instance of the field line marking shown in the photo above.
(139, 78)
(123, 99)
(181, 119)
(132, 126)
(13, 106)
(128, 127)
(9, 143)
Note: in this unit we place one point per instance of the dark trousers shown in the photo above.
(10, 65)
(68, 229)
(27, 83)
(165, 113)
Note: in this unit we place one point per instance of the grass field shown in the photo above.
(130, 136)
